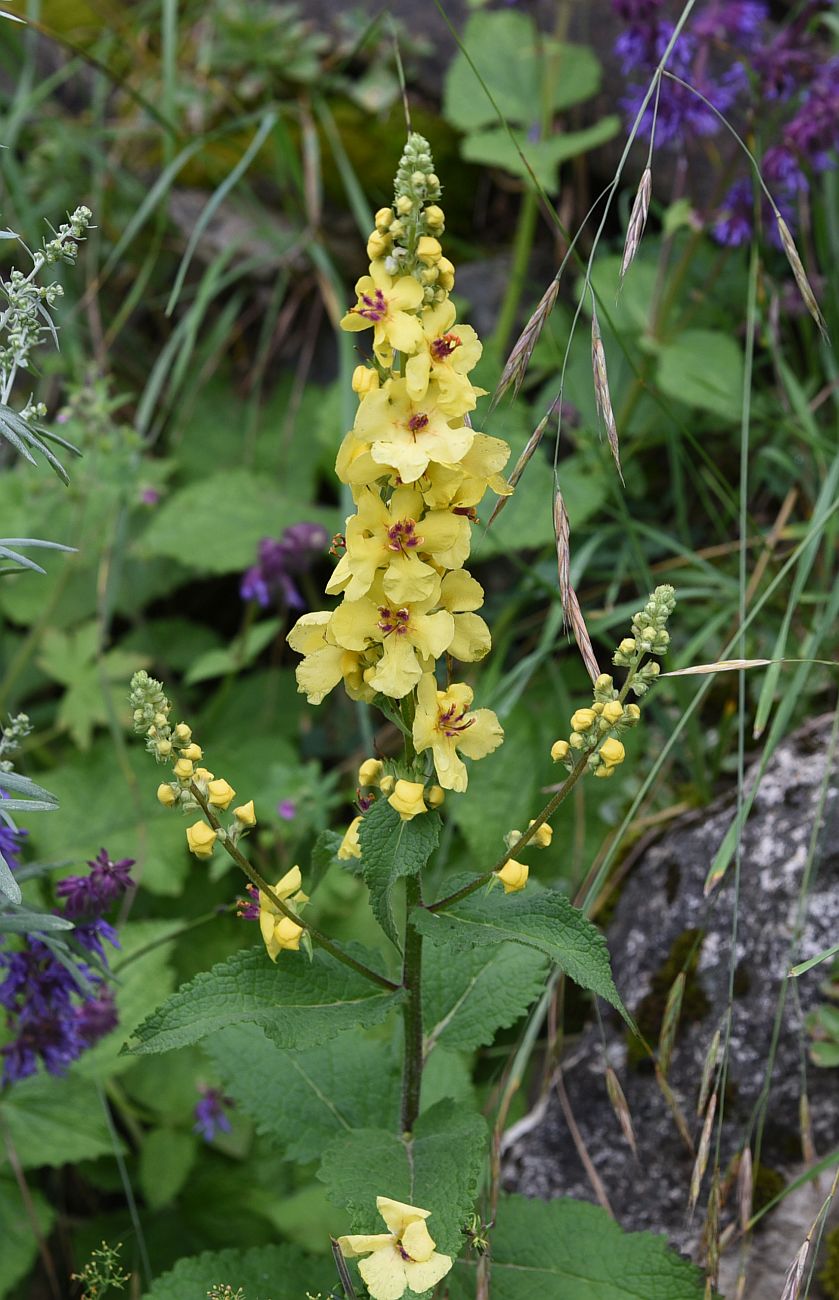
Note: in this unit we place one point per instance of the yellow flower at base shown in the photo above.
(220, 795)
(201, 839)
(559, 750)
(407, 799)
(350, 846)
(278, 930)
(402, 1259)
(612, 752)
(513, 876)
(166, 795)
(245, 813)
(385, 303)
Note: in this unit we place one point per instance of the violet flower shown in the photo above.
(280, 561)
(211, 1113)
(95, 893)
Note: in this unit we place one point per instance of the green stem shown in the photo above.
(544, 816)
(525, 230)
(412, 1009)
(256, 879)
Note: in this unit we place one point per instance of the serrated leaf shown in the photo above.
(519, 155)
(391, 849)
(54, 1121)
(544, 920)
(577, 1251)
(19, 1244)
(304, 1100)
(438, 1168)
(264, 1273)
(470, 994)
(299, 1003)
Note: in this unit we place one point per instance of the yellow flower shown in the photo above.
(613, 711)
(543, 836)
(407, 799)
(559, 750)
(166, 795)
(407, 436)
(184, 769)
(428, 249)
(446, 269)
(460, 594)
(364, 380)
(370, 771)
(245, 813)
(444, 724)
(612, 752)
(435, 797)
(193, 751)
(203, 774)
(221, 795)
(280, 931)
(435, 218)
(387, 783)
(182, 733)
(201, 839)
(383, 218)
(385, 303)
(399, 1260)
(325, 663)
(583, 719)
(392, 536)
(164, 748)
(378, 245)
(446, 358)
(513, 876)
(407, 634)
(461, 486)
(350, 846)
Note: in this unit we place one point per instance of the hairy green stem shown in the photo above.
(256, 879)
(412, 1009)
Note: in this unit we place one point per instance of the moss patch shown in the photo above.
(829, 1272)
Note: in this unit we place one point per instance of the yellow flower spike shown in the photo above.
(245, 814)
(182, 733)
(613, 712)
(543, 836)
(184, 769)
(365, 380)
(559, 750)
(370, 771)
(201, 839)
(278, 930)
(435, 796)
(387, 304)
(402, 1259)
(350, 846)
(407, 799)
(203, 774)
(513, 876)
(166, 795)
(221, 795)
(583, 719)
(193, 752)
(386, 784)
(612, 752)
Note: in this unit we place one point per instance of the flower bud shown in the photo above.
(164, 748)
(370, 771)
(386, 784)
(604, 770)
(627, 645)
(184, 769)
(559, 750)
(350, 846)
(404, 207)
(603, 683)
(435, 218)
(193, 752)
(378, 245)
(418, 179)
(435, 796)
(583, 719)
(245, 814)
(182, 733)
(407, 799)
(513, 876)
(428, 249)
(631, 714)
(397, 228)
(220, 794)
(365, 380)
(446, 269)
(201, 839)
(612, 752)
(613, 712)
(383, 219)
(543, 836)
(203, 774)
(166, 795)
(576, 741)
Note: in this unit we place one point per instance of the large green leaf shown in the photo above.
(437, 1168)
(298, 1002)
(497, 148)
(469, 994)
(576, 1251)
(541, 919)
(263, 1273)
(704, 368)
(55, 1121)
(304, 1100)
(516, 65)
(19, 1244)
(166, 1158)
(215, 525)
(390, 849)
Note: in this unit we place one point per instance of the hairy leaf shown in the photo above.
(297, 1002)
(19, 1244)
(390, 849)
(55, 1121)
(263, 1273)
(469, 994)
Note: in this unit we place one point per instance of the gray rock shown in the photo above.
(663, 900)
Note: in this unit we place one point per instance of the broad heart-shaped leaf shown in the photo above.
(515, 65)
(304, 1100)
(55, 1121)
(471, 993)
(19, 1245)
(263, 1273)
(392, 848)
(298, 1002)
(438, 1169)
(575, 1251)
(542, 919)
(495, 148)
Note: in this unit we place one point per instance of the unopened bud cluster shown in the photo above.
(408, 797)
(64, 247)
(15, 730)
(407, 234)
(513, 875)
(595, 730)
(150, 710)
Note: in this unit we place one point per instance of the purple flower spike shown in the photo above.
(279, 562)
(210, 1113)
(97, 892)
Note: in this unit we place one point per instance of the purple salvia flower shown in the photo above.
(96, 1017)
(279, 561)
(95, 893)
(210, 1113)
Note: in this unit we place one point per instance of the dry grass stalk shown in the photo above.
(805, 1120)
(707, 1072)
(701, 1162)
(570, 604)
(637, 221)
(532, 443)
(795, 1273)
(675, 1110)
(670, 1022)
(582, 1151)
(804, 286)
(519, 359)
(621, 1108)
(711, 1231)
(745, 1189)
(602, 393)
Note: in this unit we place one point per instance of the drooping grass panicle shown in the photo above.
(602, 393)
(670, 1022)
(517, 362)
(701, 1162)
(572, 612)
(745, 1189)
(621, 1108)
(520, 465)
(637, 221)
